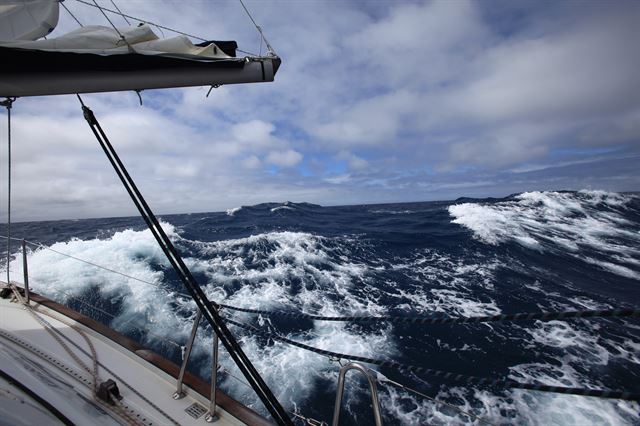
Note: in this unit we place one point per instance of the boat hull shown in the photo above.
(147, 372)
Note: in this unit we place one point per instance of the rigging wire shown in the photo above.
(447, 375)
(163, 27)
(208, 308)
(69, 12)
(385, 380)
(446, 320)
(442, 320)
(42, 246)
(113, 317)
(122, 37)
(308, 420)
(121, 14)
(414, 320)
(259, 28)
(142, 20)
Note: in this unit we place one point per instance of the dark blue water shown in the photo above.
(469, 257)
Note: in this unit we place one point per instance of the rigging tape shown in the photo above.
(462, 378)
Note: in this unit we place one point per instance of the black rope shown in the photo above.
(208, 308)
(440, 320)
(8, 103)
(462, 378)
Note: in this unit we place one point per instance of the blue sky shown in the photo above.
(376, 101)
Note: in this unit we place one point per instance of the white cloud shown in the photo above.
(355, 163)
(288, 158)
(387, 89)
(336, 180)
(373, 121)
(254, 132)
(419, 45)
(251, 162)
(575, 74)
(504, 146)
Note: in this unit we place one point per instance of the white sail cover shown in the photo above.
(104, 59)
(102, 40)
(27, 19)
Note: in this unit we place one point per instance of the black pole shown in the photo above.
(209, 309)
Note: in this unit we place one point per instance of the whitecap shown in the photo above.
(233, 211)
(562, 222)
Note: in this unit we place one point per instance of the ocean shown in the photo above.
(529, 252)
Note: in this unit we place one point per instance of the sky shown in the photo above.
(375, 102)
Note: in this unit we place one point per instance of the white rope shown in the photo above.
(57, 335)
(50, 329)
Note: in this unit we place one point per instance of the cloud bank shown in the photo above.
(375, 102)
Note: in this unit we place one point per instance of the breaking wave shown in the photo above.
(527, 252)
(585, 225)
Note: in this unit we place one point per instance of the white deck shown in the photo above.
(31, 356)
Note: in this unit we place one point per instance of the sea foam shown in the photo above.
(555, 221)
